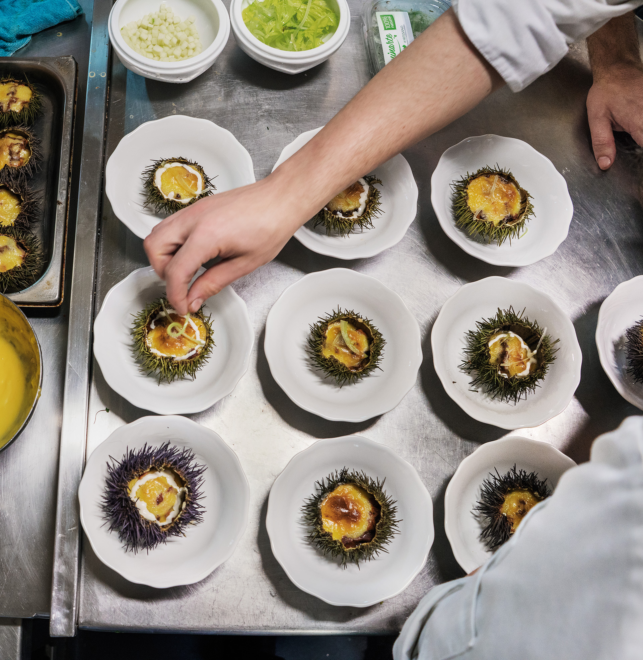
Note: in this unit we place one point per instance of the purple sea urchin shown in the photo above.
(169, 467)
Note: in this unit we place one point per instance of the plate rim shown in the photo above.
(465, 244)
(294, 398)
(175, 411)
(449, 524)
(489, 417)
(113, 199)
(379, 445)
(245, 485)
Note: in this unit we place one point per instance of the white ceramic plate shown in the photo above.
(220, 154)
(463, 491)
(619, 312)
(317, 294)
(233, 338)
(553, 208)
(205, 546)
(399, 208)
(375, 580)
(474, 302)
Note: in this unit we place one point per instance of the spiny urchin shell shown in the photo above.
(336, 223)
(119, 510)
(19, 171)
(487, 375)
(387, 525)
(634, 349)
(20, 277)
(332, 367)
(28, 204)
(25, 115)
(155, 199)
(496, 527)
(167, 369)
(509, 228)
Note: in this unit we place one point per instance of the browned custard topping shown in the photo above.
(10, 205)
(14, 150)
(348, 347)
(492, 198)
(14, 96)
(517, 505)
(11, 254)
(351, 202)
(171, 335)
(349, 514)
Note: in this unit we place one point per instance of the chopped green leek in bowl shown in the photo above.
(293, 25)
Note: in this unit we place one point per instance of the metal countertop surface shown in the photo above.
(28, 468)
(265, 110)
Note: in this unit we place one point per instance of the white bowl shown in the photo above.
(288, 328)
(463, 491)
(479, 300)
(286, 61)
(399, 208)
(374, 581)
(232, 334)
(553, 208)
(224, 159)
(212, 22)
(619, 312)
(184, 560)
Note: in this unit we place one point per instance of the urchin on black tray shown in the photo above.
(55, 78)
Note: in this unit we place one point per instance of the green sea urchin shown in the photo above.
(20, 154)
(168, 345)
(18, 205)
(504, 501)
(509, 355)
(350, 517)
(354, 208)
(171, 184)
(20, 102)
(491, 204)
(152, 494)
(345, 346)
(21, 259)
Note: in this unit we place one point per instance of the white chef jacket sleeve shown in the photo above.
(568, 584)
(522, 39)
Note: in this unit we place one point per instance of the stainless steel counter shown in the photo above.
(28, 468)
(250, 593)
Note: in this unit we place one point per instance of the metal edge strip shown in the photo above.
(64, 591)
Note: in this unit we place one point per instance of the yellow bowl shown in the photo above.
(19, 354)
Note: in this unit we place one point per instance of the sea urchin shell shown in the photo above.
(350, 517)
(121, 512)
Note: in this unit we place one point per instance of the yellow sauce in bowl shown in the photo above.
(12, 387)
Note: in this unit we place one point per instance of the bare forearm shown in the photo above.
(616, 44)
(440, 77)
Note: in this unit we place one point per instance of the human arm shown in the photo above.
(615, 100)
(411, 98)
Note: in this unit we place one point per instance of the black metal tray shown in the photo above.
(55, 78)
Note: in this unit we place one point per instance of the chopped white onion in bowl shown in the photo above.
(163, 36)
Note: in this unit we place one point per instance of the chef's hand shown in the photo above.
(245, 227)
(615, 103)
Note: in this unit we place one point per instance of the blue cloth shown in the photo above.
(567, 586)
(19, 19)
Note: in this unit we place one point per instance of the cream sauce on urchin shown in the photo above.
(363, 198)
(159, 173)
(179, 504)
(197, 336)
(530, 355)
